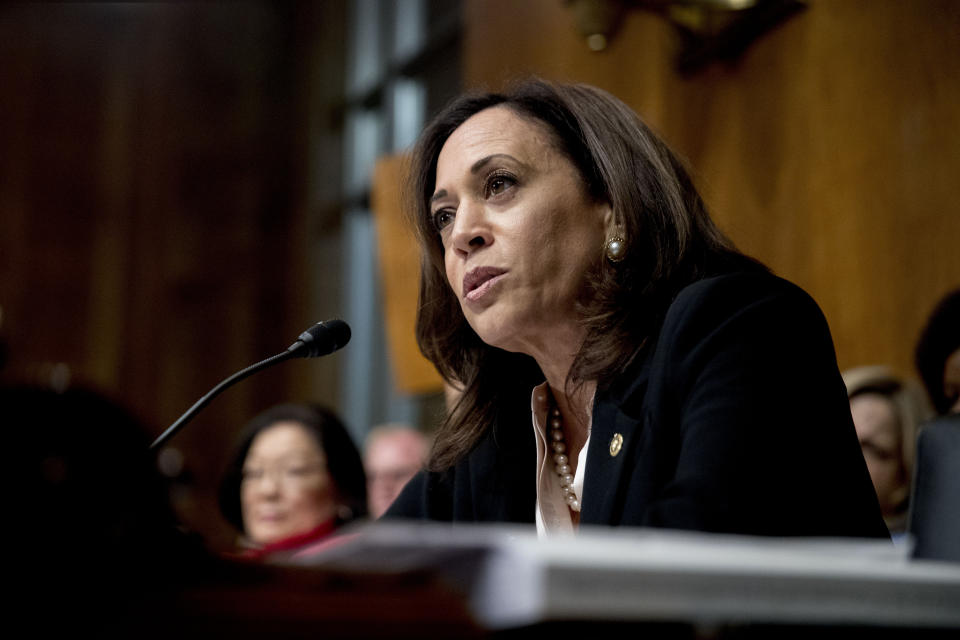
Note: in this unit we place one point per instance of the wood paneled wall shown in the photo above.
(153, 210)
(399, 259)
(830, 149)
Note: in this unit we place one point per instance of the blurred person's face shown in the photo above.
(951, 381)
(390, 461)
(286, 489)
(879, 434)
(519, 230)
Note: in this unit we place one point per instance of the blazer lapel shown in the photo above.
(614, 444)
(510, 493)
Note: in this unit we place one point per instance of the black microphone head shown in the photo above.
(321, 339)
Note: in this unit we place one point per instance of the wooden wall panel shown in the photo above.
(400, 276)
(153, 211)
(829, 149)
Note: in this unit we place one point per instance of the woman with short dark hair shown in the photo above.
(570, 269)
(938, 354)
(294, 478)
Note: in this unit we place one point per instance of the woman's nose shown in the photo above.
(268, 484)
(471, 229)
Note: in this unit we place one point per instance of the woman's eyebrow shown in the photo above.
(477, 166)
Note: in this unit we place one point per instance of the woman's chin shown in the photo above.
(495, 333)
(269, 535)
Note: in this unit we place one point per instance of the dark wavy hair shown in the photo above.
(939, 339)
(671, 241)
(343, 460)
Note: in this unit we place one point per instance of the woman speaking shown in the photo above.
(620, 362)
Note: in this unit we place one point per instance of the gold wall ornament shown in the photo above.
(597, 20)
(708, 30)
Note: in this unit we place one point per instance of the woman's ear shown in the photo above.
(608, 219)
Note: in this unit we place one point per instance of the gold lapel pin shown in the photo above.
(615, 443)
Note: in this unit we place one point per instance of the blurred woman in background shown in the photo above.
(887, 412)
(295, 478)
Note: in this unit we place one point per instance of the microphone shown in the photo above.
(319, 340)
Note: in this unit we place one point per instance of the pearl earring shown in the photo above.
(615, 249)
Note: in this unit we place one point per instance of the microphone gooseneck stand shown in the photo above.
(319, 340)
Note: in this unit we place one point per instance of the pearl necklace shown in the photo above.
(562, 461)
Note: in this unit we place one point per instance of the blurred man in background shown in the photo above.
(393, 454)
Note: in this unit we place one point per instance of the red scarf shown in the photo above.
(292, 543)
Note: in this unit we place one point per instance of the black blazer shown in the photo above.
(734, 419)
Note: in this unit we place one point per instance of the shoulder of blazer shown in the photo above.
(715, 298)
(695, 310)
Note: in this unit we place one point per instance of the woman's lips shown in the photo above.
(479, 281)
(270, 517)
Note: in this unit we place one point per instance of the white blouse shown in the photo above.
(553, 514)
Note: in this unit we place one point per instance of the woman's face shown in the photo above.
(879, 434)
(519, 230)
(286, 489)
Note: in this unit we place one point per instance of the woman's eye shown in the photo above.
(251, 474)
(298, 471)
(442, 219)
(876, 451)
(497, 183)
